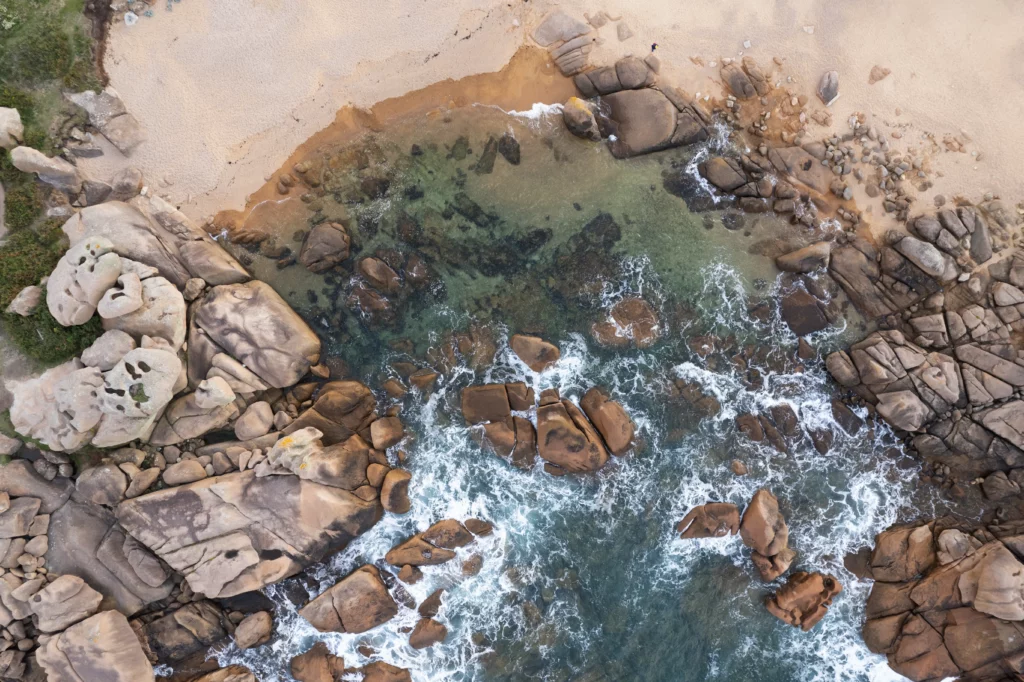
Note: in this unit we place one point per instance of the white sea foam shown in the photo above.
(834, 504)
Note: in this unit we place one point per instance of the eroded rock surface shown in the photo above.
(239, 532)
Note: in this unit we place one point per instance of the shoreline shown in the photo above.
(899, 227)
(527, 78)
(214, 155)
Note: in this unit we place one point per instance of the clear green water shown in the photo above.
(584, 578)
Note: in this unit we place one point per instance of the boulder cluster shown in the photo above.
(805, 598)
(219, 459)
(950, 376)
(625, 105)
(948, 600)
(569, 438)
(366, 598)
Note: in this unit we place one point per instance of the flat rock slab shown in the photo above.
(236, 533)
(102, 648)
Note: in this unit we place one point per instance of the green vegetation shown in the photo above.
(45, 49)
(43, 338)
(45, 42)
(27, 256)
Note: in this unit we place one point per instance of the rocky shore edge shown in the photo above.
(945, 369)
(193, 345)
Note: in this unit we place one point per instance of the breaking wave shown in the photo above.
(584, 577)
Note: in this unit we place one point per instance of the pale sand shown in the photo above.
(228, 89)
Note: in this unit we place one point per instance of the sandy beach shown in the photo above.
(228, 90)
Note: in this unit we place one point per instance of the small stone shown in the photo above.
(185, 471)
(877, 73)
(193, 288)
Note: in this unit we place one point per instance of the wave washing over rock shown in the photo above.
(571, 393)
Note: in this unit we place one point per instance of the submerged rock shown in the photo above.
(630, 321)
(711, 520)
(325, 246)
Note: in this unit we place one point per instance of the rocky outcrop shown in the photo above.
(64, 602)
(185, 632)
(427, 633)
(948, 600)
(317, 664)
(804, 599)
(385, 672)
(55, 171)
(253, 324)
(185, 419)
(344, 465)
(70, 405)
(149, 230)
(566, 440)
(239, 532)
(764, 530)
(12, 131)
(160, 313)
(610, 419)
(636, 114)
(568, 40)
(358, 602)
(537, 353)
(807, 259)
(102, 648)
(254, 630)
(431, 547)
(108, 114)
(341, 410)
(81, 277)
(950, 378)
(87, 541)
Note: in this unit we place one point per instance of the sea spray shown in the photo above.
(586, 572)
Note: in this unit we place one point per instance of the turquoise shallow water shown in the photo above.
(584, 578)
